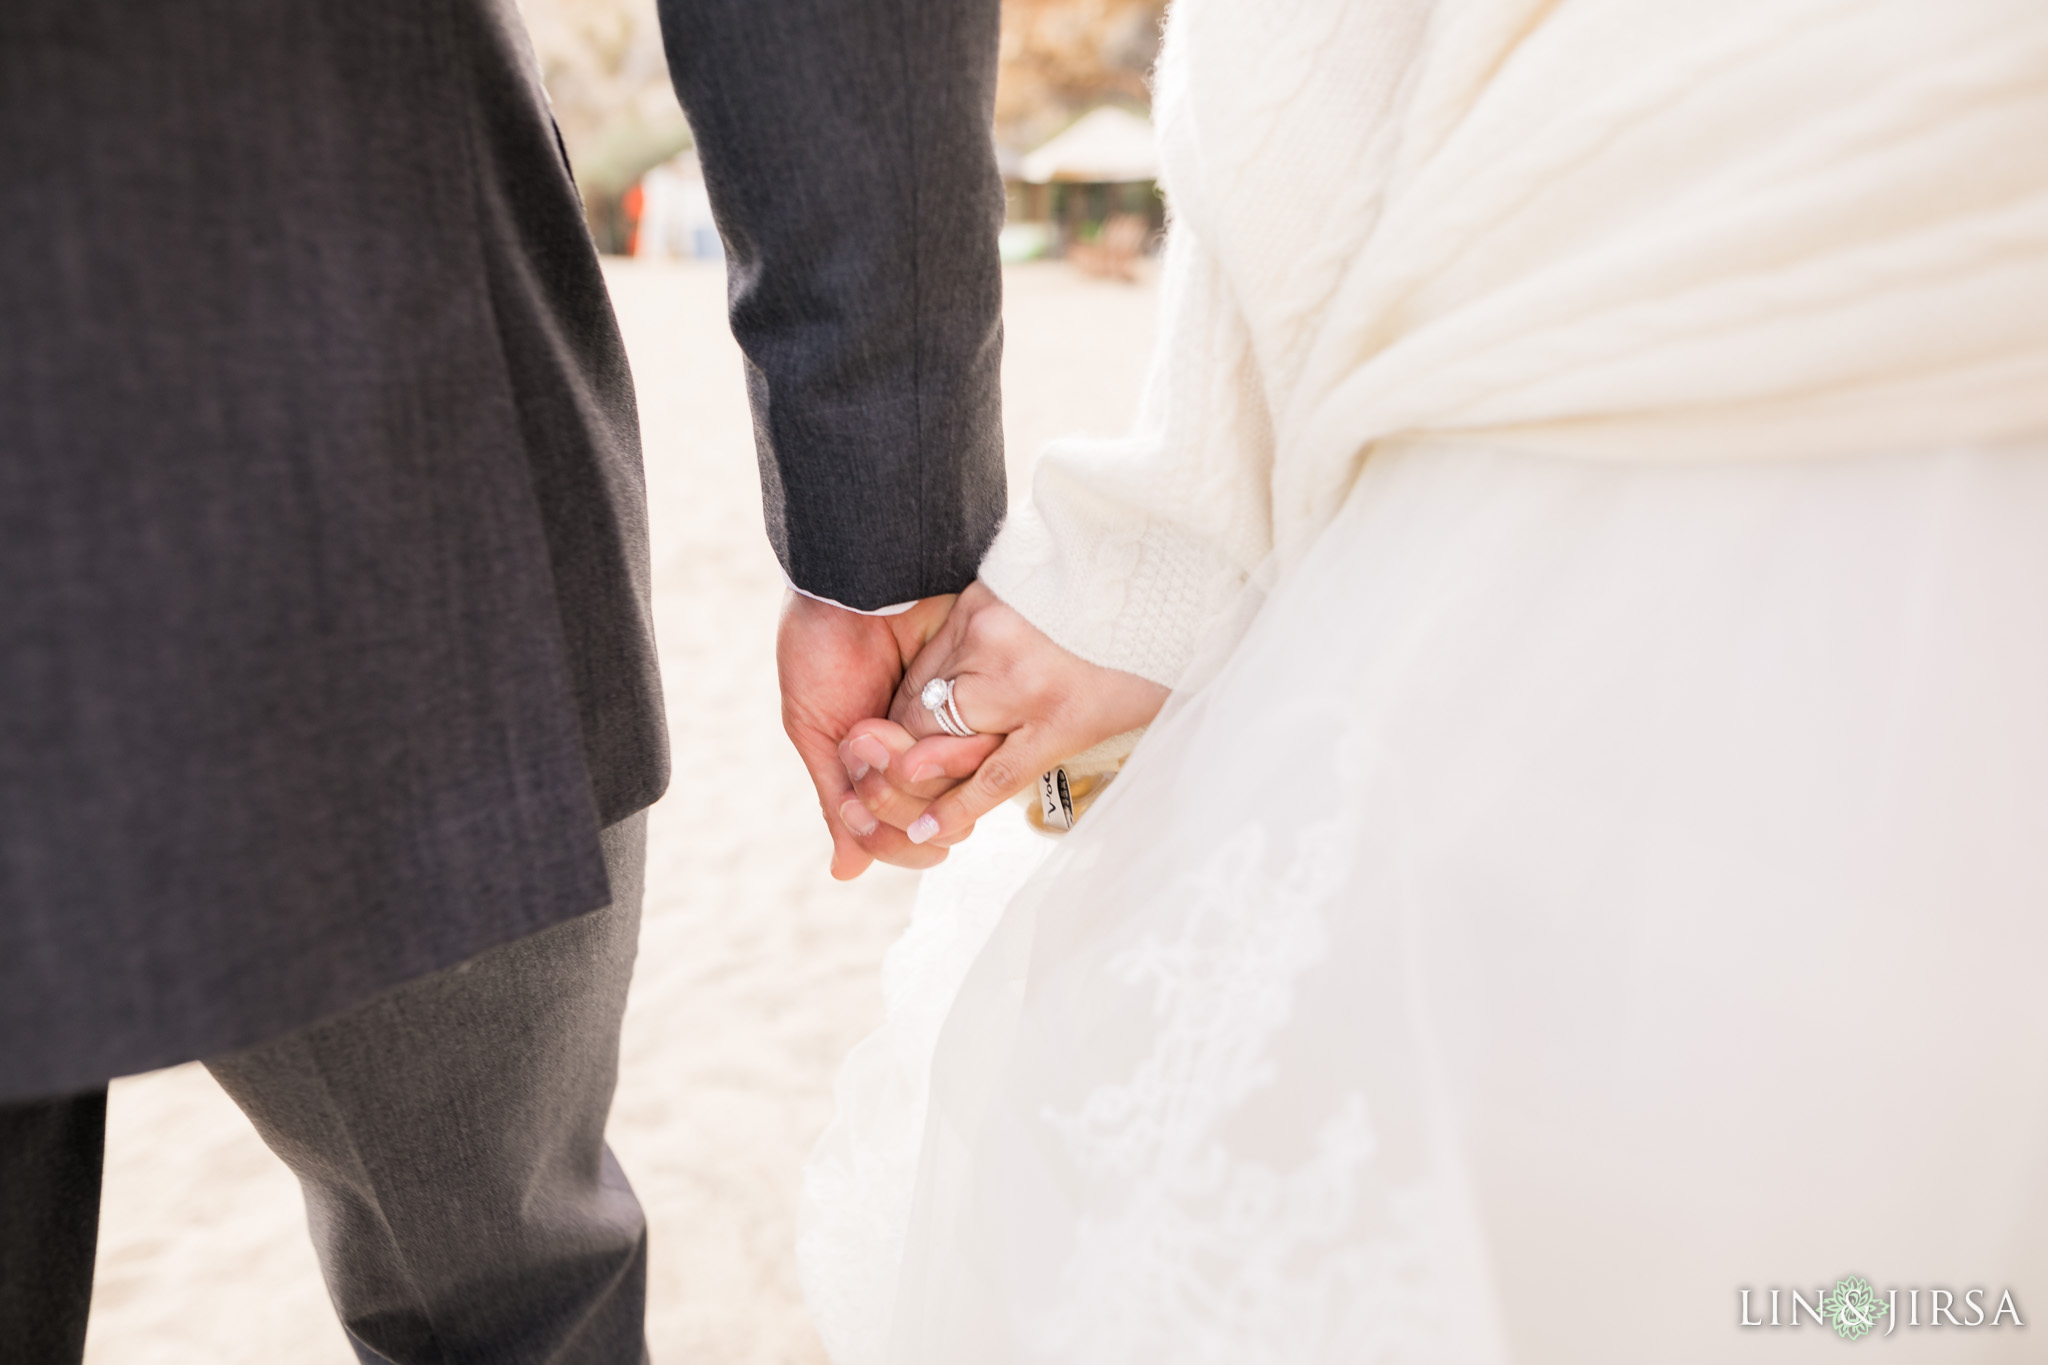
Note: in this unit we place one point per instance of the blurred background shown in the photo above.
(757, 972)
(1072, 135)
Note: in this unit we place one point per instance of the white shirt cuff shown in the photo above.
(896, 610)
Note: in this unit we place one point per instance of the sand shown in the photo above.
(757, 972)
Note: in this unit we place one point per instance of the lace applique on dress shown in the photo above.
(1202, 1252)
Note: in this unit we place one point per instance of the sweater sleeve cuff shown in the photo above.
(1140, 601)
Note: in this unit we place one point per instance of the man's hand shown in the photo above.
(839, 667)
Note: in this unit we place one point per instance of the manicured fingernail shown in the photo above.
(925, 773)
(922, 828)
(859, 820)
(855, 769)
(869, 751)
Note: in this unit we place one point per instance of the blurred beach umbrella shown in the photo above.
(1106, 146)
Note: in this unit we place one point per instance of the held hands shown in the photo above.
(838, 667)
(1033, 703)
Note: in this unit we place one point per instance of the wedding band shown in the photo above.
(938, 699)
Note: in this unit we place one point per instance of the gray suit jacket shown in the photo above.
(324, 641)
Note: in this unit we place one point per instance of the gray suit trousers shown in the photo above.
(449, 1136)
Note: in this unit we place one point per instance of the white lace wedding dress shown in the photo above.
(1587, 891)
(1599, 865)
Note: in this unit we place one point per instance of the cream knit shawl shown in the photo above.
(1617, 229)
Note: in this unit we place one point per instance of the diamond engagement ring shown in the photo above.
(938, 699)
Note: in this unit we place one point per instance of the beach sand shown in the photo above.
(757, 972)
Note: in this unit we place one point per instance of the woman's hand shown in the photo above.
(1033, 703)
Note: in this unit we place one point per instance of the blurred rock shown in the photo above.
(1061, 58)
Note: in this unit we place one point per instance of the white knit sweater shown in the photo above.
(1608, 228)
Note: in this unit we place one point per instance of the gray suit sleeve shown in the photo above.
(847, 147)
